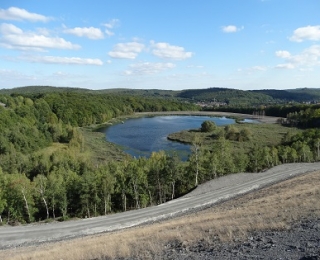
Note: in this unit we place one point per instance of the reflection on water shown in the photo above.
(142, 136)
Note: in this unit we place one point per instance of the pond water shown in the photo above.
(142, 136)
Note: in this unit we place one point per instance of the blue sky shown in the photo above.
(167, 44)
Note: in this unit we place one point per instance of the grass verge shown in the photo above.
(272, 208)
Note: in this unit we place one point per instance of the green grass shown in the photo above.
(98, 148)
(262, 134)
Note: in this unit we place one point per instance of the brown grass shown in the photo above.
(272, 208)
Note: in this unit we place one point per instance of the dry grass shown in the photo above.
(273, 208)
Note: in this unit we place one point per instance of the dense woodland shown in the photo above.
(46, 171)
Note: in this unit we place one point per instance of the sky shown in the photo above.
(167, 44)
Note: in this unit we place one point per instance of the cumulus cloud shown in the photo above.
(15, 38)
(89, 32)
(307, 58)
(62, 60)
(231, 29)
(129, 50)
(109, 26)
(18, 14)
(166, 51)
(148, 68)
(306, 33)
(283, 54)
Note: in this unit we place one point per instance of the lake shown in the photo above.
(142, 136)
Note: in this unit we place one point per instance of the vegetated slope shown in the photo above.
(120, 91)
(41, 90)
(280, 221)
(228, 96)
(313, 92)
(298, 95)
(225, 95)
(251, 97)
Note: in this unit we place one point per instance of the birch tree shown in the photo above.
(41, 183)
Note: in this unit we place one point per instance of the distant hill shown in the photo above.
(49, 89)
(297, 95)
(41, 90)
(228, 96)
(232, 97)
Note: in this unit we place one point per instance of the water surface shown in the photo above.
(142, 136)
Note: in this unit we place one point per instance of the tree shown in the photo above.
(56, 191)
(156, 180)
(256, 159)
(106, 183)
(195, 159)
(41, 183)
(231, 133)
(208, 126)
(20, 203)
(244, 135)
(173, 171)
(3, 201)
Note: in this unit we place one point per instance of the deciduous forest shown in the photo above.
(47, 171)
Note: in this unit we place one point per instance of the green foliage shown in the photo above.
(208, 126)
(47, 170)
(232, 97)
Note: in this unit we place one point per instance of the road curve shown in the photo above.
(220, 189)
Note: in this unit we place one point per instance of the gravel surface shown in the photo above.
(302, 241)
(242, 178)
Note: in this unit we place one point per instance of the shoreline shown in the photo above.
(262, 119)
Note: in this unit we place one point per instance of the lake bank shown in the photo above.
(262, 119)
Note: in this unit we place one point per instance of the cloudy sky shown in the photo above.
(167, 44)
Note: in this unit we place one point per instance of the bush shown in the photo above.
(208, 126)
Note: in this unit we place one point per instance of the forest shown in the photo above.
(47, 172)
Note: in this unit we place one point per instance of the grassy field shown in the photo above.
(272, 208)
(263, 134)
(98, 148)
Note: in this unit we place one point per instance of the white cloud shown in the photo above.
(89, 32)
(14, 38)
(307, 58)
(306, 33)
(283, 54)
(253, 69)
(148, 68)
(112, 23)
(231, 28)
(128, 50)
(17, 14)
(166, 51)
(62, 60)
(109, 26)
(285, 66)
